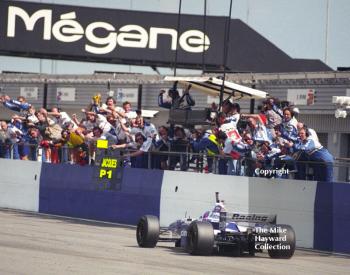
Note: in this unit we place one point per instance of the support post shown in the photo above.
(45, 94)
(139, 98)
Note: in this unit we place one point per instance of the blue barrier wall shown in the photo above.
(320, 211)
(341, 217)
(332, 217)
(70, 191)
(323, 221)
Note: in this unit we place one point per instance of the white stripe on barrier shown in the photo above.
(19, 184)
(292, 200)
(192, 194)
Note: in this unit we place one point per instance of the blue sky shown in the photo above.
(297, 27)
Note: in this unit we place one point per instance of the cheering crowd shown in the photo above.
(234, 143)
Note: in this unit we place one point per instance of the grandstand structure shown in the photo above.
(43, 90)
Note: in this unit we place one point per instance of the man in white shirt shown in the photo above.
(139, 158)
(128, 111)
(258, 131)
(110, 107)
(93, 120)
(139, 126)
(61, 118)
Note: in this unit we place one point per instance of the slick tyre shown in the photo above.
(147, 232)
(285, 242)
(200, 238)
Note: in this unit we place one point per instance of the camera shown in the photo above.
(242, 124)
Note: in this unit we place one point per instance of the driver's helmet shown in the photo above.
(219, 207)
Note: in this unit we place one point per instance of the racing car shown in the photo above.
(223, 232)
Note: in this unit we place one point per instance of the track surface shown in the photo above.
(32, 244)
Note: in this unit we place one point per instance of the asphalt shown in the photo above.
(37, 244)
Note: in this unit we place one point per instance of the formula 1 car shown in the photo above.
(222, 232)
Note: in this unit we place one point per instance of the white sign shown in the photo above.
(211, 99)
(30, 92)
(130, 36)
(149, 113)
(65, 94)
(126, 94)
(301, 96)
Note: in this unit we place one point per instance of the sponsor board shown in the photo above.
(301, 96)
(29, 92)
(82, 33)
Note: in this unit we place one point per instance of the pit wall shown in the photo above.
(319, 212)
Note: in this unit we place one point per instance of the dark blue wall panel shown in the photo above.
(323, 220)
(71, 191)
(341, 217)
(332, 217)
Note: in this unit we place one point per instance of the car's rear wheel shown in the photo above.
(284, 242)
(147, 232)
(200, 238)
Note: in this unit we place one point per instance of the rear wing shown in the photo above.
(249, 218)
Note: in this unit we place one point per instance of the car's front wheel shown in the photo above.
(147, 232)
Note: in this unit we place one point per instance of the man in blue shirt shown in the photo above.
(19, 105)
(323, 169)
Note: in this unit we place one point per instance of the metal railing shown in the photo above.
(188, 161)
(244, 166)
